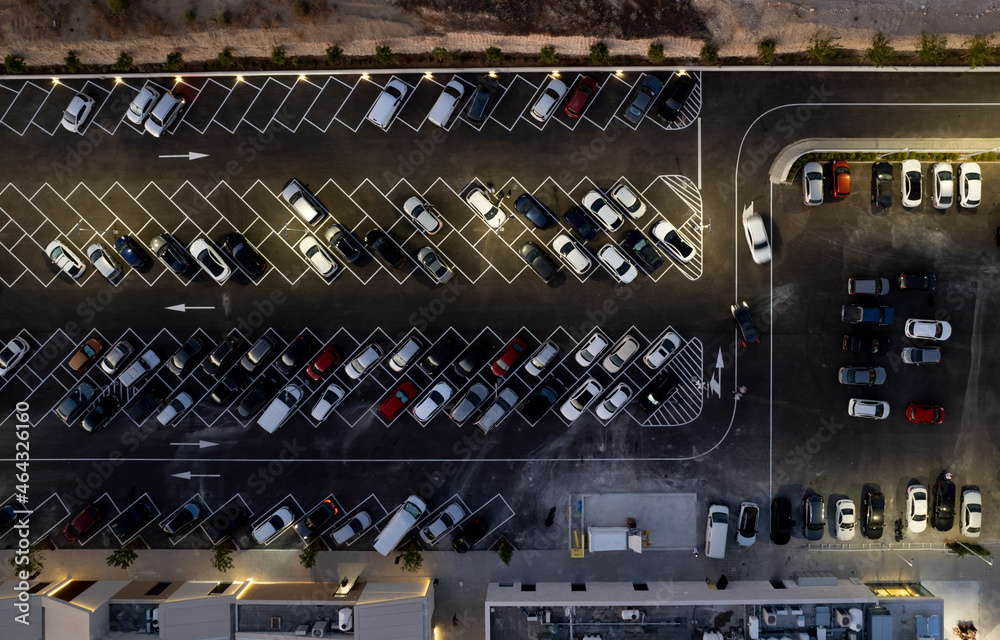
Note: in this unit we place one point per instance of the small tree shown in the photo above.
(933, 49)
(174, 61)
(881, 53)
(189, 16)
(412, 559)
(440, 54)
(278, 56)
(123, 557)
(222, 557)
(655, 53)
(981, 51)
(334, 54)
(72, 62)
(494, 55)
(301, 8)
(34, 564)
(117, 5)
(766, 50)
(710, 55)
(123, 63)
(14, 64)
(226, 58)
(548, 55)
(505, 551)
(383, 54)
(308, 556)
(824, 50)
(599, 54)
(222, 19)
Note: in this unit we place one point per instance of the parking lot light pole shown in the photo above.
(80, 228)
(908, 562)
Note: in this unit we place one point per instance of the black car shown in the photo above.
(186, 356)
(145, 404)
(542, 400)
(343, 243)
(8, 517)
(101, 413)
(781, 521)
(944, 502)
(531, 208)
(538, 261)
(882, 185)
(183, 520)
(75, 402)
(225, 522)
(678, 90)
(439, 357)
(924, 281)
(748, 333)
(813, 517)
(873, 510)
(471, 533)
(172, 253)
(133, 519)
(866, 344)
(244, 255)
(577, 218)
(482, 100)
(224, 355)
(379, 242)
(658, 390)
(642, 250)
(230, 386)
(265, 388)
(470, 362)
(132, 253)
(294, 356)
(310, 526)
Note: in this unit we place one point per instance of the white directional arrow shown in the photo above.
(201, 444)
(718, 360)
(191, 155)
(187, 475)
(183, 307)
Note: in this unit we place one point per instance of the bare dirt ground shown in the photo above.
(42, 31)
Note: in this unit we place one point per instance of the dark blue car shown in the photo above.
(644, 97)
(532, 209)
(132, 253)
(581, 223)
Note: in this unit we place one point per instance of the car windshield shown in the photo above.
(812, 175)
(70, 117)
(205, 257)
(7, 355)
(401, 396)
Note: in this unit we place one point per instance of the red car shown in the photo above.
(841, 178)
(510, 355)
(929, 413)
(86, 355)
(82, 523)
(398, 399)
(584, 91)
(323, 364)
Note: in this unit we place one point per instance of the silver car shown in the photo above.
(467, 405)
(303, 202)
(862, 375)
(142, 105)
(423, 215)
(431, 263)
(360, 365)
(621, 354)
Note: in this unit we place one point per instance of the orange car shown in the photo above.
(841, 178)
(85, 357)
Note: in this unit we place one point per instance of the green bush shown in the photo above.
(226, 58)
(221, 559)
(548, 55)
(278, 56)
(765, 50)
(933, 49)
(383, 54)
(710, 55)
(34, 564)
(72, 62)
(123, 63)
(412, 559)
(982, 52)
(189, 15)
(505, 551)
(494, 55)
(301, 8)
(881, 53)
(308, 556)
(122, 558)
(174, 61)
(599, 54)
(440, 54)
(334, 54)
(117, 5)
(824, 50)
(655, 53)
(222, 19)
(14, 64)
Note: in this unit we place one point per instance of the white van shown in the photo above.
(388, 103)
(716, 531)
(446, 103)
(280, 408)
(404, 519)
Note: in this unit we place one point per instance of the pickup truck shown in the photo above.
(855, 314)
(498, 410)
(146, 363)
(222, 525)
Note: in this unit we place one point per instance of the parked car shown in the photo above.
(318, 257)
(918, 329)
(100, 413)
(342, 242)
(910, 183)
(222, 524)
(543, 399)
(82, 523)
(171, 253)
(310, 526)
(304, 204)
(64, 258)
(471, 534)
(813, 517)
(672, 241)
(606, 216)
(585, 89)
(916, 508)
(258, 353)
(133, 519)
(354, 527)
(116, 357)
(482, 99)
(591, 350)
(501, 407)
(628, 201)
(260, 393)
(446, 103)
(104, 263)
(846, 520)
(841, 172)
(148, 401)
(926, 413)
(756, 234)
(867, 286)
(183, 520)
(924, 355)
(440, 356)
(532, 208)
(405, 354)
(882, 185)
(388, 103)
(971, 523)
(186, 356)
(857, 314)
(332, 396)
(643, 99)
(571, 253)
(476, 198)
(866, 344)
(581, 398)
(944, 502)
(86, 355)
(244, 254)
(451, 516)
(873, 506)
(505, 363)
(612, 402)
(142, 104)
(620, 267)
(661, 351)
(175, 409)
(294, 356)
(398, 399)
(364, 361)
(622, 352)
(970, 185)
(423, 215)
(229, 386)
(923, 281)
(874, 409)
(812, 184)
(469, 402)
(140, 368)
(746, 531)
(781, 520)
(428, 259)
(677, 91)
(541, 358)
(76, 114)
(323, 364)
(210, 260)
(225, 354)
(744, 321)
(658, 390)
(540, 263)
(861, 375)
(383, 246)
(642, 250)
(12, 354)
(581, 223)
(165, 113)
(944, 185)
(270, 528)
(432, 401)
(551, 96)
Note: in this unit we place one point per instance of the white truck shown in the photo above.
(138, 369)
(498, 410)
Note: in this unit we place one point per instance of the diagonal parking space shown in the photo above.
(109, 511)
(688, 113)
(299, 101)
(31, 97)
(359, 102)
(517, 93)
(498, 97)
(421, 99)
(369, 505)
(197, 208)
(233, 504)
(137, 531)
(293, 506)
(169, 216)
(238, 103)
(685, 404)
(335, 93)
(8, 96)
(94, 213)
(201, 111)
(199, 502)
(610, 99)
(24, 213)
(268, 102)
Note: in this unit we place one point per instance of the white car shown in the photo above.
(432, 264)
(164, 114)
(360, 365)
(332, 396)
(598, 207)
(12, 354)
(944, 185)
(874, 409)
(405, 355)
(613, 401)
(175, 409)
(672, 242)
(581, 398)
(302, 201)
(77, 112)
(209, 258)
(116, 357)
(628, 201)
(65, 259)
(549, 100)
(451, 516)
(423, 215)
(621, 268)
(541, 358)
(970, 185)
(591, 350)
(846, 520)
(104, 263)
(278, 522)
(446, 103)
(142, 105)
(433, 400)
(909, 183)
(620, 355)
(474, 398)
(971, 522)
(925, 355)
(812, 184)
(916, 508)
(753, 227)
(476, 198)
(317, 255)
(746, 526)
(354, 527)
(927, 329)
(571, 253)
(662, 350)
